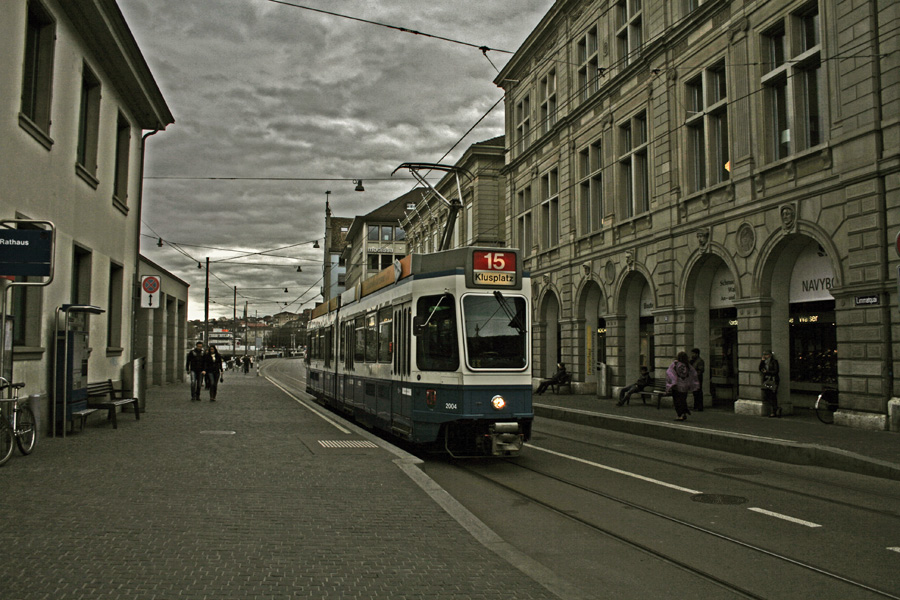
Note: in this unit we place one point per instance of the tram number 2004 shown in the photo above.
(450, 406)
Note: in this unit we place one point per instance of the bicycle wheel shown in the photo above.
(6, 440)
(826, 405)
(26, 429)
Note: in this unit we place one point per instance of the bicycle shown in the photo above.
(826, 405)
(17, 423)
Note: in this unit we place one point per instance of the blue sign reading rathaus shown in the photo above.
(25, 252)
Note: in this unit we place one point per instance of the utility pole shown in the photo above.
(206, 309)
(234, 324)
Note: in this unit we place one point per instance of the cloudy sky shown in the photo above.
(293, 102)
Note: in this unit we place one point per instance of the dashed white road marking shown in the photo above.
(619, 471)
(894, 549)
(784, 517)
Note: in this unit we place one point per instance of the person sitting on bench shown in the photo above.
(643, 381)
(561, 376)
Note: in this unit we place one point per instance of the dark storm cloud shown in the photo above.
(265, 90)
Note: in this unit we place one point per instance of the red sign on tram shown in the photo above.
(494, 268)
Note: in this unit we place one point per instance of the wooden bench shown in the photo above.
(655, 391)
(82, 416)
(567, 381)
(105, 396)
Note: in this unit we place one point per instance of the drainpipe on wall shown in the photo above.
(135, 293)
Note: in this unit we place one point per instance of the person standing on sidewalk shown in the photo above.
(194, 367)
(699, 366)
(212, 369)
(768, 370)
(681, 378)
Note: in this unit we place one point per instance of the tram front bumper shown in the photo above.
(506, 438)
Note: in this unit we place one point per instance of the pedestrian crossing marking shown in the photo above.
(346, 444)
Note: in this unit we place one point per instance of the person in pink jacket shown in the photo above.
(681, 380)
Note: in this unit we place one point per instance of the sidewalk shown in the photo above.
(250, 497)
(798, 439)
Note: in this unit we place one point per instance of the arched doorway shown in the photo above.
(592, 338)
(715, 327)
(803, 331)
(551, 352)
(638, 349)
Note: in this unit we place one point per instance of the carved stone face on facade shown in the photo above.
(788, 217)
(703, 239)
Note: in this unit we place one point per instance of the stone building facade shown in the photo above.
(481, 220)
(376, 240)
(713, 174)
(77, 106)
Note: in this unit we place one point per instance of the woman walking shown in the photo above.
(681, 379)
(212, 368)
(768, 370)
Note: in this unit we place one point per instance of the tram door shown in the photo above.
(401, 394)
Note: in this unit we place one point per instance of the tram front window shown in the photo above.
(436, 341)
(495, 331)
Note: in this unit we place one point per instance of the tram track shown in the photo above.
(745, 479)
(592, 525)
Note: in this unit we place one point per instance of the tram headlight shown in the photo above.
(498, 402)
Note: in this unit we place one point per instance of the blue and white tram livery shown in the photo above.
(435, 350)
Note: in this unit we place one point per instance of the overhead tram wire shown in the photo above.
(483, 48)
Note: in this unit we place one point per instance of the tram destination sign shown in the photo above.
(495, 268)
(26, 252)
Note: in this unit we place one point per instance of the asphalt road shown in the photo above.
(622, 516)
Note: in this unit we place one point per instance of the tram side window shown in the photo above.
(371, 338)
(385, 335)
(359, 349)
(437, 348)
(328, 345)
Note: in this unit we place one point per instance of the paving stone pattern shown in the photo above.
(174, 506)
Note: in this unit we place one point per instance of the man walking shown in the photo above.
(194, 366)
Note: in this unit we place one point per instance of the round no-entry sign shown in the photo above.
(150, 284)
(897, 245)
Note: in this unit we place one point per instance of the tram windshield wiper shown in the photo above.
(514, 319)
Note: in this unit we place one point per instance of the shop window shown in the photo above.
(647, 354)
(813, 343)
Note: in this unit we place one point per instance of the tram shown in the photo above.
(434, 350)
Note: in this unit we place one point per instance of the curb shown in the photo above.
(774, 449)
